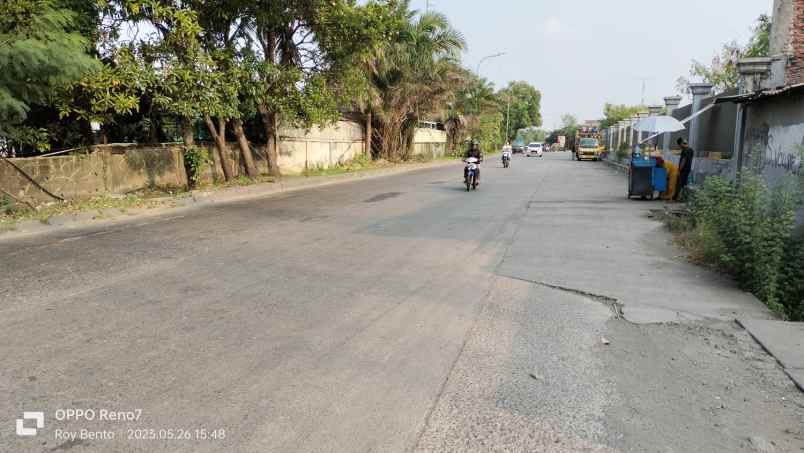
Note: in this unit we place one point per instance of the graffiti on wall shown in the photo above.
(766, 151)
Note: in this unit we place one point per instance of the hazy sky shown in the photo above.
(582, 53)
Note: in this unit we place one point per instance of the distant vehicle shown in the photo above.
(562, 142)
(588, 148)
(518, 148)
(535, 149)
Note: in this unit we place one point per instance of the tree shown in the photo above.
(531, 135)
(308, 53)
(40, 53)
(722, 71)
(569, 125)
(525, 107)
(417, 77)
(615, 113)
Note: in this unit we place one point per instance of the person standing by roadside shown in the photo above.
(684, 167)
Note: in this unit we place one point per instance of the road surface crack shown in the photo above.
(614, 305)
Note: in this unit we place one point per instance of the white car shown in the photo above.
(535, 149)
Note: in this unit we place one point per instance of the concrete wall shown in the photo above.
(110, 169)
(319, 147)
(780, 42)
(120, 169)
(429, 143)
(774, 140)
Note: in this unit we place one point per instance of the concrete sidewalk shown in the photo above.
(784, 341)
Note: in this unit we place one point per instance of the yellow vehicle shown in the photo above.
(588, 147)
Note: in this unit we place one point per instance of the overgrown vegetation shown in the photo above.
(748, 231)
(148, 71)
(98, 205)
(196, 160)
(360, 163)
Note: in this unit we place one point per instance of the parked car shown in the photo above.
(535, 149)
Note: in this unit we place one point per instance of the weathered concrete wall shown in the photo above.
(319, 147)
(110, 169)
(119, 169)
(774, 140)
(780, 38)
(429, 143)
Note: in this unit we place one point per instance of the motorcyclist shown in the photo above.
(506, 153)
(473, 151)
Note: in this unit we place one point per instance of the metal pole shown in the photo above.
(487, 57)
(508, 121)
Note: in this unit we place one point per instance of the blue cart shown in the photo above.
(645, 178)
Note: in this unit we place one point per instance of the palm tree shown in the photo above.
(416, 76)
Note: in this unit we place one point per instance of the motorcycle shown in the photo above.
(471, 173)
(506, 159)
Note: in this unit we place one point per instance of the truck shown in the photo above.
(588, 144)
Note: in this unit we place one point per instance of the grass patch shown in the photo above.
(360, 163)
(43, 213)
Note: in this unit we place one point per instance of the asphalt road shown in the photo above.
(388, 315)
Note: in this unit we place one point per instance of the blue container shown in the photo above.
(641, 177)
(660, 179)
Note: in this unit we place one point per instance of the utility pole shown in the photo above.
(644, 87)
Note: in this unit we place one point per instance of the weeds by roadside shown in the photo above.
(11, 213)
(360, 163)
(748, 230)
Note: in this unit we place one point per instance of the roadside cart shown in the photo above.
(645, 178)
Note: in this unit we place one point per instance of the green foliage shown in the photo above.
(722, 70)
(488, 132)
(623, 152)
(525, 101)
(7, 204)
(759, 45)
(747, 230)
(531, 135)
(415, 76)
(196, 160)
(39, 53)
(114, 89)
(618, 112)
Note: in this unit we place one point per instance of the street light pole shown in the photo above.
(477, 72)
(487, 57)
(508, 120)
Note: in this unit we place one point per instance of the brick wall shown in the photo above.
(795, 70)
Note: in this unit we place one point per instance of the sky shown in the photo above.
(583, 53)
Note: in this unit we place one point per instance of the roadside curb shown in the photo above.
(207, 197)
(622, 167)
(784, 341)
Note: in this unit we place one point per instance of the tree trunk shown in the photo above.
(220, 157)
(245, 149)
(271, 122)
(368, 132)
(188, 131)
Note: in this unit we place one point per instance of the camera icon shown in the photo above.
(39, 417)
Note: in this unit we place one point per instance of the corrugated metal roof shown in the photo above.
(758, 95)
